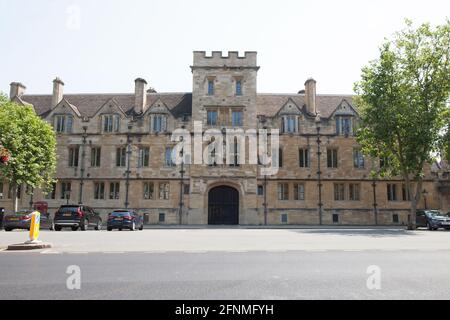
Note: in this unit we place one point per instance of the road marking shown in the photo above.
(155, 252)
(49, 251)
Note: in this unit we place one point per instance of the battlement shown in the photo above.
(218, 59)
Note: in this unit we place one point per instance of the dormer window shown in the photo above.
(289, 124)
(344, 125)
(159, 123)
(111, 123)
(63, 123)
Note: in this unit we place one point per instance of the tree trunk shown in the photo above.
(412, 212)
(415, 198)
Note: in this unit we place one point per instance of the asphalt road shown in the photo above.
(220, 275)
(229, 264)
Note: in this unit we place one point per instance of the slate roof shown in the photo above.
(270, 104)
(180, 104)
(88, 104)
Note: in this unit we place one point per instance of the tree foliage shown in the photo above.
(32, 144)
(402, 97)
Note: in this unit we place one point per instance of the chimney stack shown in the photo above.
(140, 95)
(310, 95)
(58, 91)
(16, 90)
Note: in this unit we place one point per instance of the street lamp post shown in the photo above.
(181, 188)
(67, 196)
(375, 204)
(83, 169)
(265, 200)
(127, 183)
(319, 170)
(31, 199)
(425, 193)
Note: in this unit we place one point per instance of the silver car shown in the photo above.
(22, 220)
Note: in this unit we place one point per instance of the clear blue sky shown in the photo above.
(103, 45)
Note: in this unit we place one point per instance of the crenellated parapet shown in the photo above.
(219, 59)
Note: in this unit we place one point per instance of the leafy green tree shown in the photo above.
(32, 144)
(402, 97)
(445, 142)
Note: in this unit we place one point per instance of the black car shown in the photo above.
(2, 213)
(125, 219)
(432, 219)
(77, 217)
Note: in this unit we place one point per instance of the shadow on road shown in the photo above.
(374, 233)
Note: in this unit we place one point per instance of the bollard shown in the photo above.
(34, 227)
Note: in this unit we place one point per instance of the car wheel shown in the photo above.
(74, 228)
(120, 229)
(8, 229)
(58, 228)
(141, 228)
(429, 227)
(109, 229)
(85, 225)
(98, 226)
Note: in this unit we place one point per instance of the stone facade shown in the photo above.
(112, 150)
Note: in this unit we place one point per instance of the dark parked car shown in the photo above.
(22, 220)
(77, 217)
(125, 219)
(2, 214)
(432, 219)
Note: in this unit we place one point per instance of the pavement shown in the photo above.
(230, 264)
(192, 240)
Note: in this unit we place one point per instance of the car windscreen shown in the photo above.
(433, 213)
(23, 213)
(68, 209)
(120, 214)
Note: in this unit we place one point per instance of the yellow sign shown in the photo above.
(35, 225)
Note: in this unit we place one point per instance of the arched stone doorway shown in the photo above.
(223, 206)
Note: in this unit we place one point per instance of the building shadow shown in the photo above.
(373, 233)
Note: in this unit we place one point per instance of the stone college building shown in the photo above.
(114, 151)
